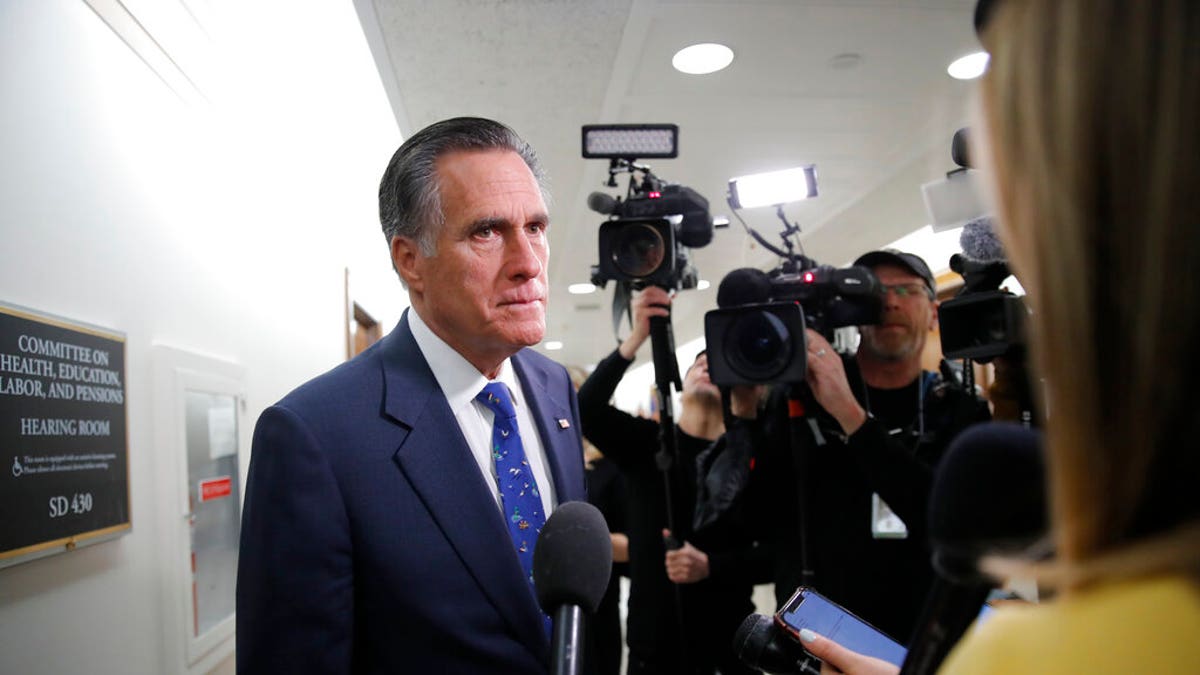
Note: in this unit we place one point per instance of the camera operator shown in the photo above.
(865, 464)
(715, 567)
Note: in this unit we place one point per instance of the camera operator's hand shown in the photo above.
(686, 564)
(651, 301)
(827, 379)
(744, 399)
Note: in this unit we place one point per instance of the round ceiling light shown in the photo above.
(702, 59)
(968, 67)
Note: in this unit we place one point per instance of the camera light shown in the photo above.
(773, 187)
(630, 141)
(809, 277)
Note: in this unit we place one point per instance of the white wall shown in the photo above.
(221, 228)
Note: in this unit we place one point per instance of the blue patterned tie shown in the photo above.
(519, 496)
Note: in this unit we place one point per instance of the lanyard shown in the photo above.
(926, 381)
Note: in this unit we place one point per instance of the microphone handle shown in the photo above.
(566, 648)
(948, 613)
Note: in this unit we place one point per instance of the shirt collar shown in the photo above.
(459, 381)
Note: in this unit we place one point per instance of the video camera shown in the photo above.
(981, 322)
(648, 238)
(757, 335)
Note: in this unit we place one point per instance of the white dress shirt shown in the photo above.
(461, 382)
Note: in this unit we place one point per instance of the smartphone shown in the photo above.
(809, 609)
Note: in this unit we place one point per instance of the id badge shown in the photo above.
(885, 524)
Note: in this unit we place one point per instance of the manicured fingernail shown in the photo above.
(807, 635)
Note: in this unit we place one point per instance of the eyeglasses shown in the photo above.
(906, 290)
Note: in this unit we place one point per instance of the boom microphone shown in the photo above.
(602, 202)
(981, 264)
(979, 241)
(988, 497)
(571, 566)
(743, 286)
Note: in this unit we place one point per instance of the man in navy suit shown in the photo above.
(373, 538)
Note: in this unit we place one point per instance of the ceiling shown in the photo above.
(876, 129)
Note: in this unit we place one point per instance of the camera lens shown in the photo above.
(639, 250)
(758, 346)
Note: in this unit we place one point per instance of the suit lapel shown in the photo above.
(435, 459)
(556, 428)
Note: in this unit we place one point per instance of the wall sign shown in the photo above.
(64, 458)
(215, 488)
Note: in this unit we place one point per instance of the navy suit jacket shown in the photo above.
(370, 542)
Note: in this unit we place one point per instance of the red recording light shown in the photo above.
(654, 195)
(809, 277)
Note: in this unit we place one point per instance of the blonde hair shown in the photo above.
(1093, 121)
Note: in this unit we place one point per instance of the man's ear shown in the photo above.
(406, 258)
(933, 317)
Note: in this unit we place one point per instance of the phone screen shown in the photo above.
(811, 610)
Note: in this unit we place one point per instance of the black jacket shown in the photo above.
(713, 608)
(884, 580)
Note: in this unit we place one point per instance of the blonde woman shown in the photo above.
(1091, 121)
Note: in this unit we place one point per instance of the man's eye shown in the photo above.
(536, 228)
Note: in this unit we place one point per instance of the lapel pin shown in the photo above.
(564, 424)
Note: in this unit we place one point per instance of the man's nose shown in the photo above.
(891, 297)
(524, 256)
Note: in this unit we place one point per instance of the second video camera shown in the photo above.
(648, 238)
(757, 335)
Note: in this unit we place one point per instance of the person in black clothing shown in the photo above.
(867, 454)
(606, 491)
(716, 567)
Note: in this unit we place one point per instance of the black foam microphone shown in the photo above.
(571, 566)
(743, 286)
(988, 497)
(602, 202)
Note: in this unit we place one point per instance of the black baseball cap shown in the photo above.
(909, 261)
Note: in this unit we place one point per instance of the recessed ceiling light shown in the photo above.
(581, 289)
(969, 67)
(553, 345)
(702, 285)
(701, 59)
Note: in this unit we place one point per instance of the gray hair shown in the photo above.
(409, 200)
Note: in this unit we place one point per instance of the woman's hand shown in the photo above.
(837, 659)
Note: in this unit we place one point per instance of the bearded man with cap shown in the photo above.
(865, 465)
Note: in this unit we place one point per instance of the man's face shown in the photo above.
(906, 320)
(483, 291)
(696, 382)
